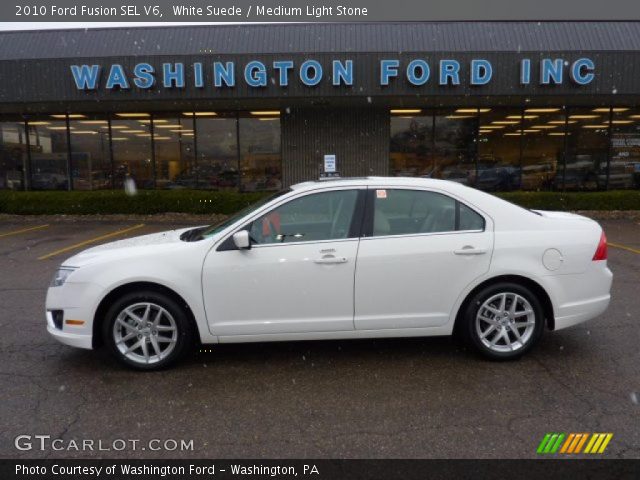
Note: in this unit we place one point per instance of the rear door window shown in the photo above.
(408, 212)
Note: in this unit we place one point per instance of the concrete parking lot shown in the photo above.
(413, 398)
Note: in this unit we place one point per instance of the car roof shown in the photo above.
(377, 181)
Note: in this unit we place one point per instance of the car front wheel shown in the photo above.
(504, 321)
(147, 330)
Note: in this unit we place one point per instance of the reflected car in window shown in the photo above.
(338, 259)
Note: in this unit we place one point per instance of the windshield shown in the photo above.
(218, 227)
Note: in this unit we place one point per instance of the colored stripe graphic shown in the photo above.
(556, 446)
(605, 442)
(592, 440)
(543, 443)
(597, 442)
(567, 442)
(551, 442)
(583, 439)
(577, 443)
(573, 443)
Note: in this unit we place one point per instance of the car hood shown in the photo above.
(129, 246)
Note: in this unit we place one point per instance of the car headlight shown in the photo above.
(61, 276)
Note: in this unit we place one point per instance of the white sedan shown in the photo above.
(339, 259)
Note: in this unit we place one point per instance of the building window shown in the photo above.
(260, 159)
(132, 155)
(499, 146)
(13, 154)
(543, 140)
(439, 144)
(217, 142)
(411, 141)
(90, 155)
(624, 163)
(587, 149)
(174, 151)
(49, 152)
(454, 144)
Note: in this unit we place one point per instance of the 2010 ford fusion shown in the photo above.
(339, 259)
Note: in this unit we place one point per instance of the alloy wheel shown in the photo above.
(505, 322)
(145, 333)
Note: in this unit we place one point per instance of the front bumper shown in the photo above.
(78, 340)
(78, 303)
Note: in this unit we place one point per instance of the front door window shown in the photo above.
(312, 218)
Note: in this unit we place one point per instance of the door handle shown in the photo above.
(329, 259)
(469, 250)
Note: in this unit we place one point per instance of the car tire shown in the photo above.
(503, 321)
(147, 330)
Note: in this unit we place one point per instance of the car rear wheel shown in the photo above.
(504, 321)
(147, 330)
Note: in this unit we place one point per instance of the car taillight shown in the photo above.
(601, 251)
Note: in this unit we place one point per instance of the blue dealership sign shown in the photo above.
(259, 74)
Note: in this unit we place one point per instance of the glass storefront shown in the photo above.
(49, 153)
(532, 148)
(411, 143)
(132, 149)
(205, 150)
(174, 151)
(454, 144)
(260, 162)
(543, 134)
(587, 149)
(494, 149)
(90, 157)
(438, 144)
(499, 149)
(624, 158)
(218, 158)
(13, 155)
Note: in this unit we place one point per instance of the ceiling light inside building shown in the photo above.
(404, 111)
(541, 110)
(200, 114)
(71, 115)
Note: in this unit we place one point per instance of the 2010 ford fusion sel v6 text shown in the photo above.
(339, 259)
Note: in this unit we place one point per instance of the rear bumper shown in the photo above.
(581, 312)
(585, 296)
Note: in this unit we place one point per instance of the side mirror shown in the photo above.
(241, 240)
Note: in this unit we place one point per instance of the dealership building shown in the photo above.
(496, 105)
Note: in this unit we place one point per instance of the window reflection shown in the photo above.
(217, 138)
(587, 148)
(13, 154)
(499, 150)
(543, 148)
(90, 157)
(411, 145)
(49, 153)
(624, 165)
(174, 151)
(455, 144)
(260, 162)
(131, 140)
